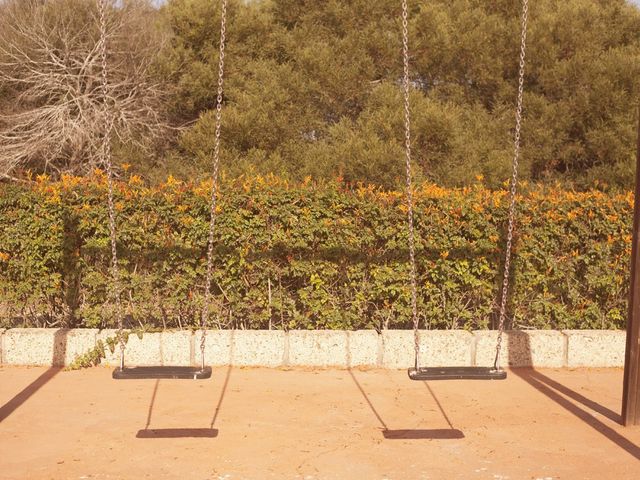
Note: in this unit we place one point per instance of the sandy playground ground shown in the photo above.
(314, 424)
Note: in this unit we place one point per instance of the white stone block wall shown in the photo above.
(522, 348)
(318, 348)
(364, 348)
(440, 348)
(138, 351)
(594, 348)
(322, 348)
(34, 346)
(176, 347)
(79, 341)
(218, 347)
(397, 348)
(264, 348)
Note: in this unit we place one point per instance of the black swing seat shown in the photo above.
(141, 373)
(456, 373)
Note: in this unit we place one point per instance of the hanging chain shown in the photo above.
(407, 145)
(106, 160)
(214, 188)
(514, 182)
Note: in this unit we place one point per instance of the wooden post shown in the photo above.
(631, 386)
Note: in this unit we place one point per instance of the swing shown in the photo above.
(159, 372)
(415, 373)
(454, 373)
(138, 373)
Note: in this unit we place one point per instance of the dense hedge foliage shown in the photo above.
(310, 256)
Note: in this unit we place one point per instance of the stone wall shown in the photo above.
(324, 348)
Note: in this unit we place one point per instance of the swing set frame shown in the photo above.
(631, 384)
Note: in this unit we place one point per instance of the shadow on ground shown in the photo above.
(210, 432)
(59, 353)
(573, 402)
(411, 434)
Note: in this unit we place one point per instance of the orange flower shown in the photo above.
(172, 181)
(135, 180)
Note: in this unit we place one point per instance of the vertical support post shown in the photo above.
(631, 386)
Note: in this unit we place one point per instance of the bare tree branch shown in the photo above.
(51, 110)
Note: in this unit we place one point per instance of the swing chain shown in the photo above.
(214, 188)
(105, 151)
(409, 193)
(514, 181)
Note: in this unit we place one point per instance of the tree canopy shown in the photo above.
(312, 89)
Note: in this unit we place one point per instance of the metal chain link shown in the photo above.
(214, 188)
(409, 193)
(514, 182)
(114, 293)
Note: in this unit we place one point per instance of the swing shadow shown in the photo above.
(177, 433)
(210, 432)
(450, 433)
(561, 394)
(58, 357)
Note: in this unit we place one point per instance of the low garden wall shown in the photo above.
(306, 274)
(322, 348)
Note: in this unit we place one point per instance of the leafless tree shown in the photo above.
(52, 113)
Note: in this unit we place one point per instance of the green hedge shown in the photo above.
(310, 256)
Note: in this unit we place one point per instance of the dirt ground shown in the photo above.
(314, 424)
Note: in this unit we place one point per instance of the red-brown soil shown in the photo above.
(314, 424)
